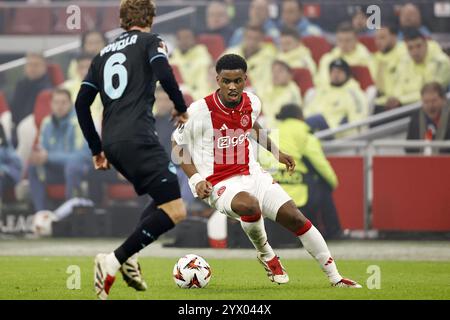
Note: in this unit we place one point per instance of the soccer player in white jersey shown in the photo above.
(215, 152)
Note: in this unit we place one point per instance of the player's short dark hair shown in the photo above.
(290, 32)
(136, 13)
(412, 34)
(433, 87)
(231, 62)
(345, 26)
(62, 91)
(290, 111)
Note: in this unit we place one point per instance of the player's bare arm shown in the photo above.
(259, 134)
(202, 187)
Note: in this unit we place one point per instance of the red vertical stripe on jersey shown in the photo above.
(231, 130)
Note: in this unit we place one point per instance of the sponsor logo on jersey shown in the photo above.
(228, 141)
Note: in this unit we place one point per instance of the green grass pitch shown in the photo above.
(234, 279)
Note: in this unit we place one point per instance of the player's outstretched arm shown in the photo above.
(260, 135)
(201, 187)
(164, 74)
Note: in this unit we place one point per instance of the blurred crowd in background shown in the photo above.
(308, 78)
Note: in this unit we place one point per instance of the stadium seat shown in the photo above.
(369, 42)
(88, 20)
(29, 20)
(362, 75)
(214, 43)
(303, 79)
(3, 103)
(109, 19)
(56, 74)
(5, 115)
(42, 106)
(188, 98)
(120, 191)
(318, 46)
(56, 191)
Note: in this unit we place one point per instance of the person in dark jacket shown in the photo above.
(36, 79)
(432, 121)
(10, 164)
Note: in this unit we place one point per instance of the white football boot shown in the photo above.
(132, 274)
(275, 270)
(347, 283)
(102, 280)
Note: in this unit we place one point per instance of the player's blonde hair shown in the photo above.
(136, 13)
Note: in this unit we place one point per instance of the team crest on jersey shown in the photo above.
(245, 120)
(221, 191)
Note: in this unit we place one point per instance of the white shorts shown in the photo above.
(261, 185)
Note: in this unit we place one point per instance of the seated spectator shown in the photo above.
(10, 164)
(409, 17)
(282, 91)
(347, 48)
(342, 101)
(422, 65)
(292, 17)
(26, 91)
(293, 52)
(193, 61)
(387, 60)
(313, 181)
(259, 56)
(359, 23)
(258, 15)
(432, 121)
(218, 21)
(62, 155)
(83, 62)
(91, 43)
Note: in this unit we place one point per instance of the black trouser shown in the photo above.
(320, 209)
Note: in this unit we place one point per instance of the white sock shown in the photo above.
(258, 236)
(316, 246)
(112, 264)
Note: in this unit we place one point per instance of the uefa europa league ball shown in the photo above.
(191, 271)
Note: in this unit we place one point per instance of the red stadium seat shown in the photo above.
(214, 43)
(56, 74)
(3, 103)
(318, 46)
(369, 42)
(42, 107)
(29, 20)
(303, 79)
(88, 20)
(362, 75)
(56, 191)
(120, 191)
(110, 19)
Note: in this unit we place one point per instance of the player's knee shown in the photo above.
(247, 206)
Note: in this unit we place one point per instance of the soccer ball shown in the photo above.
(191, 271)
